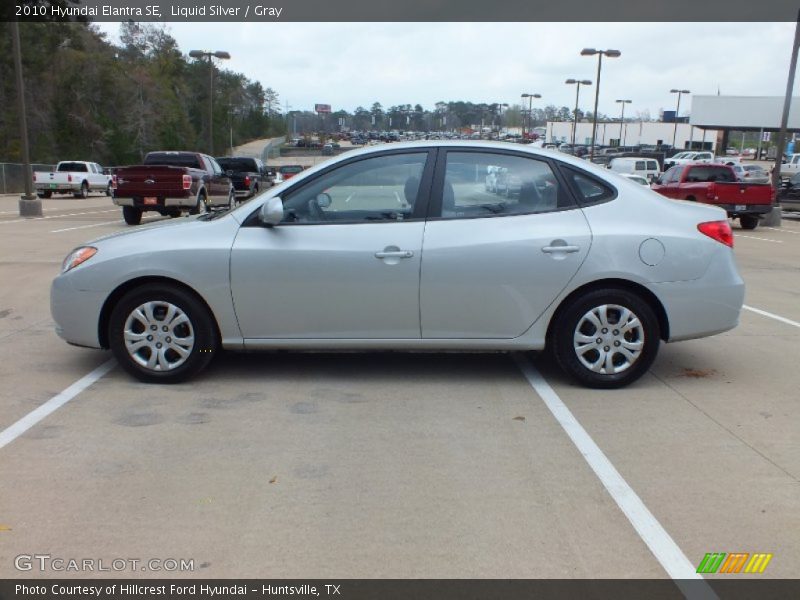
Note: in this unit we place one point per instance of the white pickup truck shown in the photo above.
(791, 167)
(75, 177)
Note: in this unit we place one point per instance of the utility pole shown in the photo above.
(29, 204)
(774, 217)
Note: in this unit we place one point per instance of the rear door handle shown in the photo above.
(394, 254)
(565, 249)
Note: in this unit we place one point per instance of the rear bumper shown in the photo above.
(161, 202)
(749, 209)
(57, 187)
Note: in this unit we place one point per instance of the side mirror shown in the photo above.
(324, 200)
(271, 212)
(229, 173)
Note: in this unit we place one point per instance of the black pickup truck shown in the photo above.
(249, 175)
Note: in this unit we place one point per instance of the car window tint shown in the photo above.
(483, 184)
(640, 165)
(382, 188)
(589, 189)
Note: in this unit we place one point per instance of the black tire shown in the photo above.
(748, 221)
(84, 192)
(201, 205)
(109, 190)
(174, 212)
(132, 215)
(45, 194)
(200, 324)
(571, 317)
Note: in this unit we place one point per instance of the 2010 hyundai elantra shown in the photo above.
(407, 247)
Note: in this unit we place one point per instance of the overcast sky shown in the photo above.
(355, 64)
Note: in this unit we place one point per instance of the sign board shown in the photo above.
(322, 108)
(765, 136)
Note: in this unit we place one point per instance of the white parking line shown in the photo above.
(780, 229)
(661, 544)
(11, 433)
(752, 237)
(85, 226)
(94, 212)
(771, 315)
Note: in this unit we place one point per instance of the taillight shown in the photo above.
(247, 180)
(114, 181)
(69, 177)
(187, 182)
(717, 230)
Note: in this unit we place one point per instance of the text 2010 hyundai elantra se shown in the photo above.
(405, 246)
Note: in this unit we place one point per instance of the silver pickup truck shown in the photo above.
(75, 177)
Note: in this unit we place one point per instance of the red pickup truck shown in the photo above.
(171, 183)
(717, 185)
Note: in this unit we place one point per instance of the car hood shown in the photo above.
(141, 229)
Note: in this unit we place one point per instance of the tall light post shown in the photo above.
(500, 106)
(600, 54)
(211, 56)
(530, 98)
(578, 83)
(622, 118)
(29, 204)
(677, 111)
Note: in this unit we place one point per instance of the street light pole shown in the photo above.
(600, 54)
(211, 56)
(578, 83)
(29, 204)
(622, 118)
(677, 112)
(530, 98)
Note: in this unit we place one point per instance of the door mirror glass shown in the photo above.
(324, 200)
(271, 212)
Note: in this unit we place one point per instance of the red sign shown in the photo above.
(322, 108)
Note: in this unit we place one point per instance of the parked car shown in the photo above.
(248, 175)
(646, 167)
(171, 183)
(286, 172)
(789, 195)
(717, 184)
(400, 247)
(684, 158)
(76, 177)
(751, 173)
(636, 178)
(791, 167)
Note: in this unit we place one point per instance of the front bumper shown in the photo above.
(76, 312)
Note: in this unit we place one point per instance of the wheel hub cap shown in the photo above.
(158, 336)
(608, 339)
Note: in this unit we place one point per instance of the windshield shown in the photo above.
(237, 164)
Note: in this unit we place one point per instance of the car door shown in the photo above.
(344, 262)
(493, 262)
(217, 183)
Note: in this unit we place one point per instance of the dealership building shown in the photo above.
(634, 133)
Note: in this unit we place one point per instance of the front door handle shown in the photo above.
(394, 254)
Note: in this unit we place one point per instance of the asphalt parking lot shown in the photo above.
(398, 465)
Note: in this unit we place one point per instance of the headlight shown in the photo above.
(77, 257)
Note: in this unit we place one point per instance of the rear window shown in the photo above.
(238, 164)
(710, 174)
(173, 159)
(72, 166)
(290, 169)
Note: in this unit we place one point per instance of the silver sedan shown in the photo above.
(401, 247)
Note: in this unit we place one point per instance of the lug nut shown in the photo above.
(169, 340)
(616, 343)
(158, 345)
(606, 348)
(605, 330)
(153, 327)
(599, 340)
(149, 338)
(165, 328)
(616, 332)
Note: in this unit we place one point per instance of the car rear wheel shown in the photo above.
(162, 334)
(45, 194)
(84, 191)
(109, 190)
(132, 215)
(607, 338)
(201, 205)
(748, 221)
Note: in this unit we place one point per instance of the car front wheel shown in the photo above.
(162, 334)
(607, 338)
